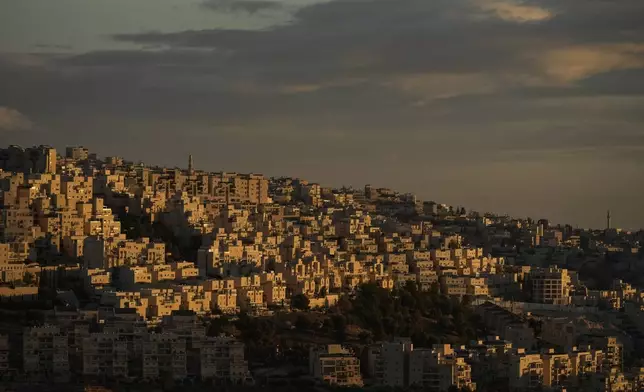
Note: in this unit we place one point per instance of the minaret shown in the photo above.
(190, 166)
(608, 220)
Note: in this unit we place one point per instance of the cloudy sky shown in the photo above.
(523, 107)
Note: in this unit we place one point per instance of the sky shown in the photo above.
(531, 108)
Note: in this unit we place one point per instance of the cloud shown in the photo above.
(444, 85)
(337, 40)
(249, 6)
(570, 64)
(13, 120)
(338, 58)
(54, 47)
(428, 50)
(300, 88)
(514, 11)
(25, 60)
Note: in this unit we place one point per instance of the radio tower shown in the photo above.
(608, 220)
(190, 166)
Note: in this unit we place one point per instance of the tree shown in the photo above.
(344, 305)
(428, 317)
(365, 337)
(303, 322)
(216, 310)
(218, 325)
(322, 292)
(340, 327)
(245, 305)
(28, 278)
(300, 301)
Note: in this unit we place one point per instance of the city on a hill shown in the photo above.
(115, 275)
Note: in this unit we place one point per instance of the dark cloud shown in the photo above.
(597, 20)
(249, 6)
(383, 38)
(624, 82)
(53, 47)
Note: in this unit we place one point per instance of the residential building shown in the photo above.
(335, 365)
(45, 352)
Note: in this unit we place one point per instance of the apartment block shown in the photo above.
(77, 153)
(335, 365)
(223, 359)
(164, 355)
(37, 159)
(438, 369)
(161, 302)
(95, 280)
(126, 300)
(4, 354)
(525, 371)
(45, 352)
(549, 286)
(388, 363)
(105, 355)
